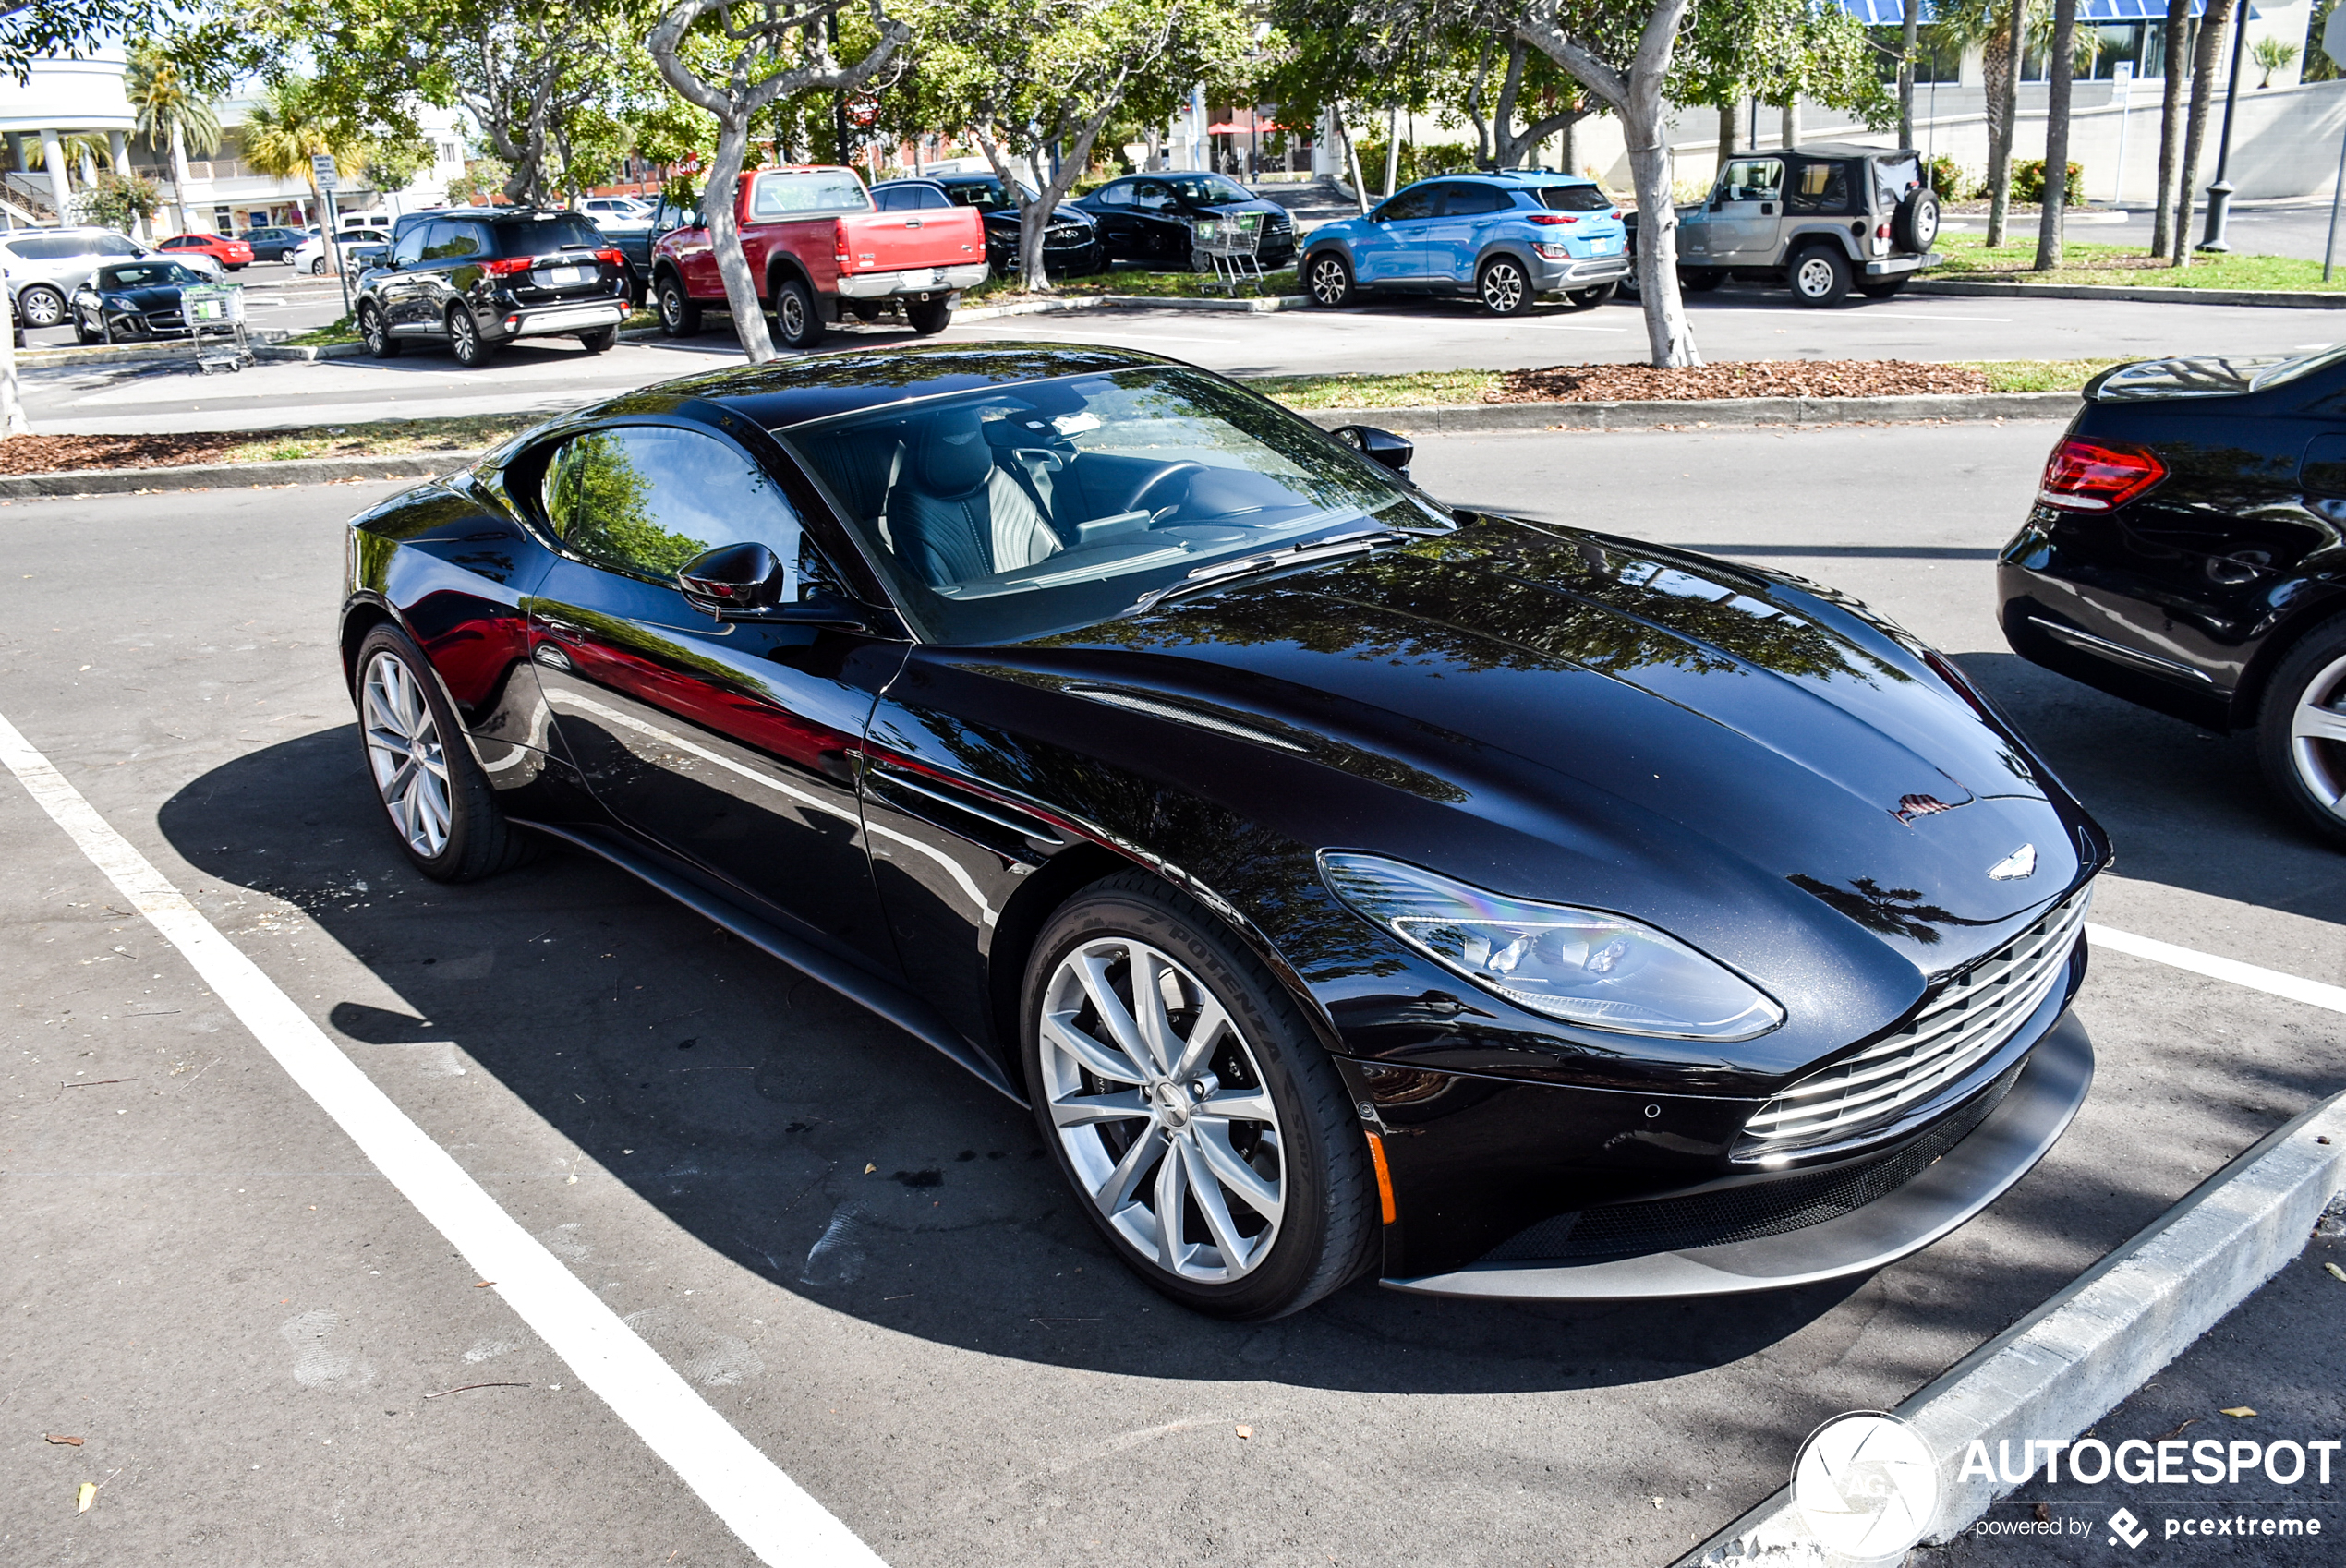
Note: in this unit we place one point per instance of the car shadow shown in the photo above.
(828, 1154)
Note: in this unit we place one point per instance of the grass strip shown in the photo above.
(1160, 285)
(2121, 266)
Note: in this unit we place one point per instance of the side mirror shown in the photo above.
(747, 582)
(1378, 446)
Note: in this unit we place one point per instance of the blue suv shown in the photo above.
(1502, 237)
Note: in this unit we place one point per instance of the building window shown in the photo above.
(2103, 48)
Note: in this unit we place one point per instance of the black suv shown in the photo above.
(478, 278)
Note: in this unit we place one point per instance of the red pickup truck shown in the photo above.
(817, 247)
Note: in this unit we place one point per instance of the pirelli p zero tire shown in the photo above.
(442, 807)
(1819, 277)
(679, 317)
(1208, 1138)
(797, 322)
(1915, 223)
(2301, 731)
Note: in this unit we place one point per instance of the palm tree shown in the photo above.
(290, 125)
(170, 114)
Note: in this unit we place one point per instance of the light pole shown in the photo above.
(2220, 194)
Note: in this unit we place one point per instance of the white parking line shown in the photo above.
(2313, 993)
(1568, 327)
(772, 1515)
(1918, 316)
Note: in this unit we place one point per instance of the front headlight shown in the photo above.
(120, 302)
(1601, 970)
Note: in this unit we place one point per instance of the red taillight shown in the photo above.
(1614, 214)
(616, 258)
(1552, 218)
(2084, 475)
(506, 268)
(838, 245)
(1882, 233)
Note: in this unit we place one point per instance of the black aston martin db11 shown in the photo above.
(2184, 553)
(1349, 883)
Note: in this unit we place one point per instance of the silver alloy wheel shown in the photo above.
(789, 309)
(1814, 277)
(2318, 737)
(1162, 1110)
(1328, 285)
(1503, 287)
(41, 307)
(317, 267)
(464, 334)
(404, 750)
(371, 329)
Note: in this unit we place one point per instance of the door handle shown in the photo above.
(1766, 209)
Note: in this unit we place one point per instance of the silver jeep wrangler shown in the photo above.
(1820, 220)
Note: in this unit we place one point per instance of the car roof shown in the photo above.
(936, 180)
(1844, 149)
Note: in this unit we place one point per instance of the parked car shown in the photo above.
(1501, 239)
(273, 243)
(15, 321)
(478, 278)
(816, 244)
(1070, 244)
(2181, 554)
(46, 265)
(1350, 884)
(233, 255)
(133, 299)
(1819, 221)
(615, 213)
(1151, 219)
(349, 250)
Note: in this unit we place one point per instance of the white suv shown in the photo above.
(46, 265)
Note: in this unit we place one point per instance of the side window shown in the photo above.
(1415, 202)
(925, 198)
(1117, 196)
(453, 242)
(410, 249)
(650, 499)
(1752, 179)
(888, 200)
(1820, 188)
(1466, 200)
(1152, 193)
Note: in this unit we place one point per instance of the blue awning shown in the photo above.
(1893, 13)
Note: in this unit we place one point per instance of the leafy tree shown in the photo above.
(175, 110)
(2060, 72)
(734, 61)
(2206, 65)
(31, 30)
(292, 122)
(118, 201)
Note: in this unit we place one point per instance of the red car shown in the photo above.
(233, 254)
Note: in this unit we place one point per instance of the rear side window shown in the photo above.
(453, 242)
(1895, 178)
(1820, 188)
(824, 190)
(1465, 200)
(537, 237)
(113, 245)
(1573, 199)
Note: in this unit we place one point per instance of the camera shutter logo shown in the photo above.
(1866, 1485)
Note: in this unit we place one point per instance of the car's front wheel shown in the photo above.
(1207, 1136)
(1329, 278)
(442, 807)
(1503, 287)
(679, 317)
(375, 333)
(2301, 731)
(1819, 277)
(39, 306)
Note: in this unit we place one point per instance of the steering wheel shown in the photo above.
(1157, 481)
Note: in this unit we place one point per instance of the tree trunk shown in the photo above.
(2061, 69)
(2003, 117)
(1729, 124)
(1353, 159)
(1392, 149)
(2205, 59)
(1790, 130)
(720, 204)
(2171, 129)
(12, 419)
(1486, 155)
(179, 176)
(1910, 40)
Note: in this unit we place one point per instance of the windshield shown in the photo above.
(1005, 513)
(1207, 191)
(984, 195)
(147, 274)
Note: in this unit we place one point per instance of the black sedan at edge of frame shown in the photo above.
(1349, 883)
(2186, 553)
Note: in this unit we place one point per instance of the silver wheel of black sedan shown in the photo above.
(1162, 1111)
(404, 752)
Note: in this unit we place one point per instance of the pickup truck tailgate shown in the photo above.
(896, 242)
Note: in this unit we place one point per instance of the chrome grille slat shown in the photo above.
(1967, 1021)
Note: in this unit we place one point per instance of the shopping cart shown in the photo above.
(215, 318)
(1230, 242)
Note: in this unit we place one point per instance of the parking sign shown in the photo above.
(322, 165)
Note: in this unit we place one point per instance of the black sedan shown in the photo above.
(1351, 884)
(1071, 242)
(133, 299)
(1151, 219)
(2186, 553)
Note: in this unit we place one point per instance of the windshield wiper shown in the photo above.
(1222, 572)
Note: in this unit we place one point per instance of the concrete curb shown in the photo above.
(2293, 299)
(2071, 1362)
(1468, 418)
(126, 354)
(268, 353)
(232, 476)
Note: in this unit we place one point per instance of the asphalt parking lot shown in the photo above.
(861, 1262)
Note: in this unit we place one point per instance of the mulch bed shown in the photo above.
(1763, 378)
(56, 454)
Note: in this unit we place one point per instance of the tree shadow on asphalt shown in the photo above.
(818, 1147)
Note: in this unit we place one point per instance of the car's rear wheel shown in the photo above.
(1819, 277)
(1503, 286)
(41, 306)
(1208, 1137)
(1587, 298)
(679, 317)
(599, 342)
(375, 333)
(1329, 278)
(317, 267)
(1699, 280)
(2301, 731)
(465, 340)
(798, 324)
(928, 316)
(441, 808)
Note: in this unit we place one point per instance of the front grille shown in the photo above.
(1967, 1022)
(1746, 1213)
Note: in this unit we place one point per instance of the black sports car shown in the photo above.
(1151, 219)
(133, 299)
(2186, 553)
(1349, 883)
(1071, 242)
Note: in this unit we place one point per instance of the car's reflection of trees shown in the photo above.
(1893, 911)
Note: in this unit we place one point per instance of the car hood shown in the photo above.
(2205, 375)
(1713, 748)
(159, 297)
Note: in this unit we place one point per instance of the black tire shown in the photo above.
(863, 310)
(1587, 298)
(317, 267)
(1327, 1230)
(1819, 277)
(478, 841)
(82, 332)
(375, 333)
(1327, 277)
(1883, 288)
(797, 322)
(39, 306)
(1699, 280)
(679, 315)
(599, 342)
(1503, 286)
(928, 316)
(2311, 774)
(1915, 226)
(471, 349)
